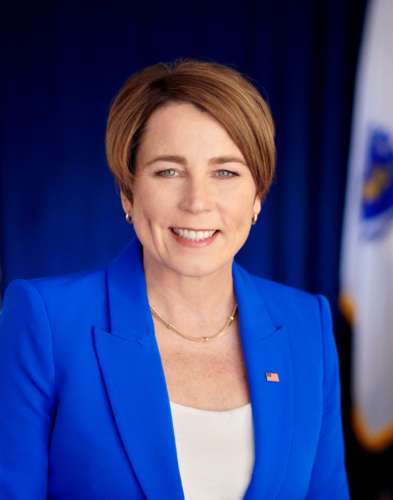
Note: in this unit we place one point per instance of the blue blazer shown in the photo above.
(84, 409)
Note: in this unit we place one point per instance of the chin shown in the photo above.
(192, 271)
(201, 269)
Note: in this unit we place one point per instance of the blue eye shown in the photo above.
(167, 173)
(225, 174)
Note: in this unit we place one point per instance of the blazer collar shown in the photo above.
(129, 312)
(135, 382)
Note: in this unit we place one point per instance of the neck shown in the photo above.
(188, 300)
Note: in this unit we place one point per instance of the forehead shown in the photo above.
(181, 124)
(174, 114)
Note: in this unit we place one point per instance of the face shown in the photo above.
(194, 196)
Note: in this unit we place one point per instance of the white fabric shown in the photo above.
(215, 451)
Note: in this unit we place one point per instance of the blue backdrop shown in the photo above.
(63, 61)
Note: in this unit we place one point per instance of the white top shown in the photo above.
(215, 451)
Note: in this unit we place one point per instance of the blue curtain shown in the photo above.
(63, 61)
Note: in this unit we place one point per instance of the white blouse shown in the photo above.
(215, 451)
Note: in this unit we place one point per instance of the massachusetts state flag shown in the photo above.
(367, 252)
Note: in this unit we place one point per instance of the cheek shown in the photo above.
(240, 220)
(243, 208)
(144, 202)
(154, 195)
(149, 212)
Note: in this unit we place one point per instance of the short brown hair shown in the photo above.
(218, 89)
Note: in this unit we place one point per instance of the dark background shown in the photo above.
(63, 61)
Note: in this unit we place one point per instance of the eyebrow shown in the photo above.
(168, 158)
(181, 160)
(219, 160)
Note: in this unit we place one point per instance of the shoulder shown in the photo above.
(282, 300)
(305, 318)
(294, 302)
(56, 296)
(271, 288)
(71, 284)
(274, 289)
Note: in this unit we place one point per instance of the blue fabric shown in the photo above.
(85, 410)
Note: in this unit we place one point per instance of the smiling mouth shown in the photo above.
(192, 235)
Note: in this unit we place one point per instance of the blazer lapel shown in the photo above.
(266, 350)
(134, 379)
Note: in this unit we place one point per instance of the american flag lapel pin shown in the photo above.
(272, 377)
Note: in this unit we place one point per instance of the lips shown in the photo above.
(193, 234)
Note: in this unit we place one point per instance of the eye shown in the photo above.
(167, 173)
(225, 174)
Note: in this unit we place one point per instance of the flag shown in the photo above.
(272, 377)
(366, 274)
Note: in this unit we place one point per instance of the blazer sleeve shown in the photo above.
(27, 395)
(328, 479)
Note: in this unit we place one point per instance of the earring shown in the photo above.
(129, 219)
(254, 219)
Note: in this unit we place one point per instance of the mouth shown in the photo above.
(193, 234)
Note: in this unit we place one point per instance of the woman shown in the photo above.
(240, 398)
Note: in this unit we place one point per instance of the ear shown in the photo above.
(127, 205)
(257, 205)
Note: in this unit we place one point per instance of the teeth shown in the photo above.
(189, 234)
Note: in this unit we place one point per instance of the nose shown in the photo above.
(197, 196)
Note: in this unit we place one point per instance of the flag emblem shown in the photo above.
(272, 377)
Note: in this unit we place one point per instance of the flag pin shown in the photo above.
(272, 377)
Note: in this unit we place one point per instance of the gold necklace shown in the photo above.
(196, 339)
